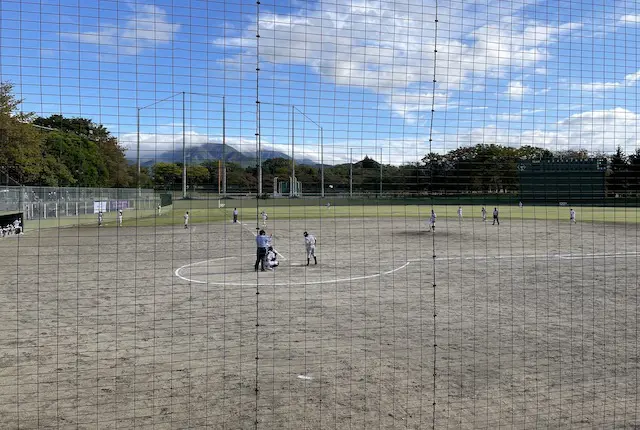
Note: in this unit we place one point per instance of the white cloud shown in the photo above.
(396, 151)
(387, 47)
(630, 19)
(153, 144)
(147, 27)
(596, 131)
(516, 90)
(629, 80)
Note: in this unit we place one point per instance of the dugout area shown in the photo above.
(10, 217)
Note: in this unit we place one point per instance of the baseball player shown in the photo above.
(120, 217)
(572, 216)
(235, 215)
(310, 245)
(186, 219)
(484, 213)
(100, 218)
(460, 213)
(432, 221)
(496, 216)
(265, 217)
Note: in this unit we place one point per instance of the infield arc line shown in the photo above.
(239, 284)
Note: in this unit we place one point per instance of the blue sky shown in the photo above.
(559, 74)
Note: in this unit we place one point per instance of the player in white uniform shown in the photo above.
(272, 258)
(100, 217)
(432, 221)
(265, 217)
(17, 229)
(159, 210)
(520, 205)
(120, 218)
(484, 213)
(310, 244)
(186, 219)
(460, 213)
(235, 215)
(572, 216)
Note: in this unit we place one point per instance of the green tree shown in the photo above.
(634, 173)
(166, 175)
(20, 143)
(89, 149)
(617, 174)
(198, 175)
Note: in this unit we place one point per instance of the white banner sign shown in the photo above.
(99, 206)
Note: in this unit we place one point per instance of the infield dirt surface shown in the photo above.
(536, 325)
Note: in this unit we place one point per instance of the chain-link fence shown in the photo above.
(54, 202)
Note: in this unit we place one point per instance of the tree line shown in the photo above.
(57, 151)
(65, 152)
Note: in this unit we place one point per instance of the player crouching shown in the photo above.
(272, 259)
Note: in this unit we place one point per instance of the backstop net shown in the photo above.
(320, 214)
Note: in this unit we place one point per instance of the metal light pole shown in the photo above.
(184, 151)
(380, 172)
(350, 172)
(292, 186)
(224, 149)
(322, 161)
(138, 151)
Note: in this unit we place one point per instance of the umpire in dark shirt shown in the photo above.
(262, 241)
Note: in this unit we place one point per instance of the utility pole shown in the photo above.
(184, 150)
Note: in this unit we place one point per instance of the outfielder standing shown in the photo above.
(235, 215)
(484, 213)
(100, 217)
(310, 244)
(572, 216)
(265, 217)
(186, 219)
(496, 216)
(432, 221)
(120, 218)
(460, 213)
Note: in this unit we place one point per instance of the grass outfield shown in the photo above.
(248, 213)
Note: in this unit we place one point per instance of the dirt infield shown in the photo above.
(536, 326)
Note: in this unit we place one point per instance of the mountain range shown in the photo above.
(213, 151)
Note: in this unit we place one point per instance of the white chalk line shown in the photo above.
(534, 256)
(240, 284)
(255, 235)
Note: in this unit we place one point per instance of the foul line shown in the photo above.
(537, 256)
(255, 235)
(329, 281)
